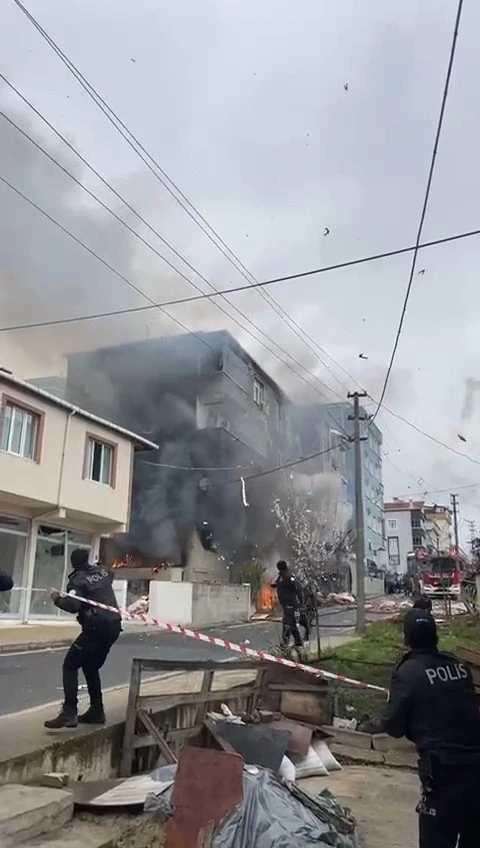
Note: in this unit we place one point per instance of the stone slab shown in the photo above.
(350, 754)
(350, 737)
(382, 800)
(383, 742)
(27, 812)
(77, 835)
(402, 759)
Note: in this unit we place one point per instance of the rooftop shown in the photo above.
(139, 441)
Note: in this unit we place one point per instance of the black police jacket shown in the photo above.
(433, 703)
(288, 590)
(95, 584)
(6, 582)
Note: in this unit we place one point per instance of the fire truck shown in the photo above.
(438, 574)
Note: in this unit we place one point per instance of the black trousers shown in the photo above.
(290, 627)
(88, 652)
(449, 810)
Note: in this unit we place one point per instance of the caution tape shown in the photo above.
(229, 646)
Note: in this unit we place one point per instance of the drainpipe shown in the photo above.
(62, 459)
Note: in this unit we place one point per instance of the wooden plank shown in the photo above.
(154, 731)
(157, 703)
(297, 687)
(214, 731)
(180, 734)
(199, 665)
(130, 720)
(469, 656)
(205, 690)
(308, 706)
(257, 687)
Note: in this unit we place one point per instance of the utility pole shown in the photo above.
(457, 544)
(455, 523)
(359, 511)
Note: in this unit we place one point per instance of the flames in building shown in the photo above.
(131, 561)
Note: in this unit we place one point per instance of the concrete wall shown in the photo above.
(373, 586)
(217, 604)
(199, 604)
(171, 602)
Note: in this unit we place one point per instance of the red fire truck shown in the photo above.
(437, 574)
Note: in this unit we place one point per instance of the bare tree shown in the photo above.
(313, 522)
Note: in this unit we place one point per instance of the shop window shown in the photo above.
(52, 566)
(13, 547)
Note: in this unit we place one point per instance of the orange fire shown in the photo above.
(130, 561)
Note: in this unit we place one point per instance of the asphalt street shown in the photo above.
(31, 679)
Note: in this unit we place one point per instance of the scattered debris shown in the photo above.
(326, 231)
(362, 356)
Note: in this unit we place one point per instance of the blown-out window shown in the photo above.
(20, 429)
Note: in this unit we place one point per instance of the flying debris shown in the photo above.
(326, 231)
(462, 438)
(362, 356)
(420, 273)
(346, 86)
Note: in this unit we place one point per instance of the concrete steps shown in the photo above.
(77, 835)
(41, 817)
(27, 812)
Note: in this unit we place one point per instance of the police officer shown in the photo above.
(100, 629)
(289, 597)
(421, 602)
(433, 703)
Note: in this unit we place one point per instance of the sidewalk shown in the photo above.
(49, 634)
(28, 748)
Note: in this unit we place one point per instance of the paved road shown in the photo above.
(31, 679)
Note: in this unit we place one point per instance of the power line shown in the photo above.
(131, 139)
(424, 207)
(134, 143)
(151, 247)
(210, 295)
(289, 464)
(236, 262)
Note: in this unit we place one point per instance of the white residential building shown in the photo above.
(65, 481)
(412, 526)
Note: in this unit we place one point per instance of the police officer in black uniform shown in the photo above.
(433, 703)
(100, 629)
(289, 597)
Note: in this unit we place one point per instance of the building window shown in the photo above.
(258, 392)
(13, 546)
(417, 542)
(416, 524)
(99, 461)
(392, 523)
(20, 431)
(52, 566)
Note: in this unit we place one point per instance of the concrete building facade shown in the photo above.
(65, 481)
(339, 416)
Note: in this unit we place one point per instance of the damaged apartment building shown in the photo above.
(219, 419)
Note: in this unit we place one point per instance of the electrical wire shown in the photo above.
(424, 207)
(91, 194)
(160, 174)
(209, 295)
(221, 245)
(289, 464)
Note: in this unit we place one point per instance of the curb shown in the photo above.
(18, 647)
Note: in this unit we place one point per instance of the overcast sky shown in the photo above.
(243, 104)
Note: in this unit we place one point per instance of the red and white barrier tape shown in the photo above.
(229, 646)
